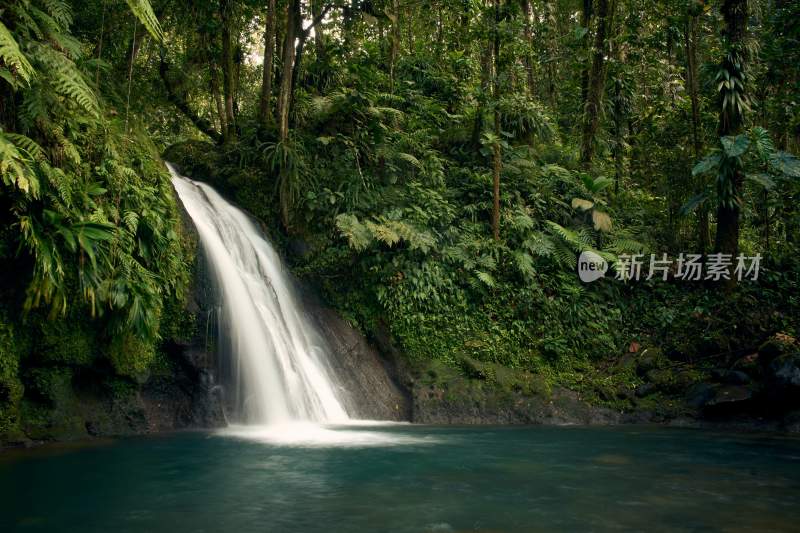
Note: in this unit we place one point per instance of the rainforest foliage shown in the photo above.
(433, 167)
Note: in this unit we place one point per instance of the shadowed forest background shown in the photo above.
(431, 168)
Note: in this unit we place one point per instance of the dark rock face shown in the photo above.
(478, 405)
(370, 380)
(189, 397)
(783, 381)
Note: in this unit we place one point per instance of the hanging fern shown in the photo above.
(60, 11)
(13, 57)
(144, 12)
(16, 167)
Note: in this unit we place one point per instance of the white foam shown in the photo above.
(310, 435)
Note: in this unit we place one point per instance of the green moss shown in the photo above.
(11, 388)
(68, 342)
(131, 356)
(50, 385)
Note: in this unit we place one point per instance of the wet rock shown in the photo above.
(700, 394)
(730, 377)
(782, 380)
(748, 364)
(645, 390)
(92, 429)
(777, 345)
(726, 395)
(368, 376)
(650, 359)
(670, 380)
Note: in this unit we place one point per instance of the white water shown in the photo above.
(279, 360)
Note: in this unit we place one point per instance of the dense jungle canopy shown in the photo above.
(434, 168)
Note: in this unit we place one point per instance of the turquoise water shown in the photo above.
(409, 478)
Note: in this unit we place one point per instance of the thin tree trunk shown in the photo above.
(287, 67)
(690, 37)
(264, 107)
(319, 37)
(731, 122)
(486, 80)
(394, 48)
(183, 106)
(302, 37)
(528, 14)
(217, 96)
(496, 150)
(597, 76)
(228, 74)
(619, 119)
(586, 23)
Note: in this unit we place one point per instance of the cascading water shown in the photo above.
(278, 358)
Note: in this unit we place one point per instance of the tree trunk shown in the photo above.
(597, 77)
(690, 38)
(528, 14)
(287, 67)
(496, 150)
(215, 94)
(586, 23)
(394, 49)
(228, 74)
(619, 120)
(486, 81)
(183, 106)
(319, 37)
(731, 122)
(264, 107)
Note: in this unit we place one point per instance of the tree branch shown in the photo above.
(183, 106)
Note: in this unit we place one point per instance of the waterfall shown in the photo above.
(278, 361)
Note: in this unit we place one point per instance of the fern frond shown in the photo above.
(60, 11)
(539, 244)
(486, 278)
(356, 233)
(67, 80)
(524, 263)
(12, 56)
(16, 168)
(29, 145)
(144, 12)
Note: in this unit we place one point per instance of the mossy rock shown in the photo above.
(504, 379)
(671, 380)
(775, 346)
(132, 357)
(66, 342)
(650, 359)
(50, 385)
(11, 388)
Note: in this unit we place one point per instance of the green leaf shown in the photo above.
(692, 204)
(601, 183)
(785, 163)
(735, 146)
(144, 12)
(706, 164)
(602, 222)
(763, 180)
(580, 203)
(13, 56)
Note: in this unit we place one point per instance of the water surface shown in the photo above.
(409, 479)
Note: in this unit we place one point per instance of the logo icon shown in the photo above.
(591, 266)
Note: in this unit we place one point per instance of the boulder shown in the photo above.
(730, 377)
(700, 394)
(782, 381)
(728, 395)
(717, 398)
